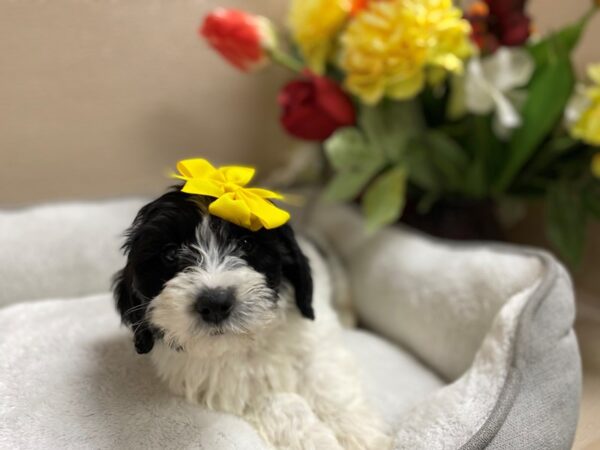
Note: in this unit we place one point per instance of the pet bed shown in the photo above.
(470, 346)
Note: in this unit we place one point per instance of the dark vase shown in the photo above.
(464, 220)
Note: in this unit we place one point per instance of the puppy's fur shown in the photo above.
(228, 318)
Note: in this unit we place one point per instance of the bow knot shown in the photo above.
(250, 208)
(232, 187)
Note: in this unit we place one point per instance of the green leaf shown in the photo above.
(563, 41)
(550, 152)
(449, 158)
(384, 200)
(427, 201)
(389, 125)
(565, 221)
(348, 149)
(346, 186)
(421, 168)
(436, 163)
(549, 92)
(355, 161)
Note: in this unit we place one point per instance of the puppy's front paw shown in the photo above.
(355, 426)
(365, 438)
(286, 421)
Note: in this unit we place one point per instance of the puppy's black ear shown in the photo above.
(297, 270)
(132, 311)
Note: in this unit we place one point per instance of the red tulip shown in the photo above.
(313, 107)
(241, 38)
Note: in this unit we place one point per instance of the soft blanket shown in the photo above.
(70, 378)
(483, 352)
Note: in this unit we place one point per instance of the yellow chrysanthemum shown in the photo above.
(587, 126)
(389, 45)
(314, 25)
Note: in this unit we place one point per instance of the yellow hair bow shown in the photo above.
(246, 207)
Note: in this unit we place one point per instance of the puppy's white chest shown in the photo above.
(227, 378)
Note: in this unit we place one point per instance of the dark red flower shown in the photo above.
(514, 29)
(238, 36)
(499, 23)
(313, 107)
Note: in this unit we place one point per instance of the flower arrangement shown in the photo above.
(421, 100)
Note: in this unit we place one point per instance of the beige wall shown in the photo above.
(100, 97)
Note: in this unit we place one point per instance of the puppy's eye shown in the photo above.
(169, 254)
(247, 244)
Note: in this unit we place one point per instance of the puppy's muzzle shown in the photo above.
(215, 304)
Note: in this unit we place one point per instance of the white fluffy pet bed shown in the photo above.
(471, 346)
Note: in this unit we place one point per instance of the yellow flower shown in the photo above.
(314, 25)
(596, 165)
(245, 207)
(587, 124)
(387, 48)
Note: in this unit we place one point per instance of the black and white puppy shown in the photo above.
(228, 318)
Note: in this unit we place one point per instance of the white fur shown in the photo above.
(289, 376)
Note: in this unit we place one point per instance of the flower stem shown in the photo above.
(286, 60)
(591, 12)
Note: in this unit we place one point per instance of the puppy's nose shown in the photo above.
(215, 305)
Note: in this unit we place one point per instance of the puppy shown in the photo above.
(237, 322)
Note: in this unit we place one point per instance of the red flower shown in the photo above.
(241, 38)
(314, 107)
(499, 23)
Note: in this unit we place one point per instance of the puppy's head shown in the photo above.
(190, 275)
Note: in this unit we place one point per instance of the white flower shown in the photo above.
(492, 85)
(578, 104)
